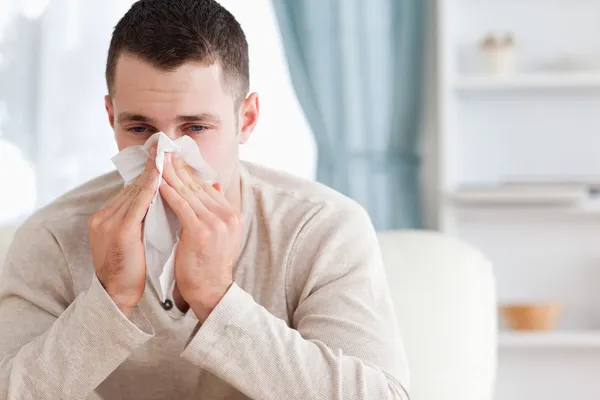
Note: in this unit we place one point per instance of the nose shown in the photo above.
(171, 133)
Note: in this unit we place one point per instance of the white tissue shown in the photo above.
(161, 229)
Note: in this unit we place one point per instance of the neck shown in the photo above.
(233, 189)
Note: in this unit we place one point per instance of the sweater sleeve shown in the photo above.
(52, 345)
(344, 341)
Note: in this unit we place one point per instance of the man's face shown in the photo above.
(190, 100)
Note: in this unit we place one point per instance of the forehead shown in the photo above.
(192, 85)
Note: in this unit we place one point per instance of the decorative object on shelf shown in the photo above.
(498, 54)
(532, 317)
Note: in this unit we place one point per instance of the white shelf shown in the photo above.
(521, 195)
(529, 82)
(571, 339)
(586, 208)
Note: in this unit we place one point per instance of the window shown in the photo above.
(64, 131)
(283, 139)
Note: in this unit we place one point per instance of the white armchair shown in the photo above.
(6, 234)
(444, 294)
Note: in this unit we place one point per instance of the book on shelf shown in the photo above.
(534, 193)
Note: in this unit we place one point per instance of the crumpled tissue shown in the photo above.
(161, 229)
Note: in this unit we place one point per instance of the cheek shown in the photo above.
(220, 151)
(125, 139)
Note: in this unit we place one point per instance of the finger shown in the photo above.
(186, 215)
(199, 189)
(149, 167)
(132, 193)
(215, 191)
(174, 180)
(179, 178)
(133, 189)
(140, 204)
(146, 182)
(214, 206)
(112, 206)
(116, 204)
(185, 173)
(170, 176)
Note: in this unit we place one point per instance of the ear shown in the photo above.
(249, 111)
(110, 111)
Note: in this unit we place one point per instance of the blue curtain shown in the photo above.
(357, 66)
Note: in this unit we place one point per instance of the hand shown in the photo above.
(116, 240)
(210, 240)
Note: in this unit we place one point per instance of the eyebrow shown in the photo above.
(206, 117)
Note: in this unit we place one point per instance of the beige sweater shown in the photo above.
(309, 316)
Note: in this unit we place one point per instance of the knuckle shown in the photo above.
(148, 180)
(135, 204)
(192, 172)
(196, 187)
(150, 164)
(134, 186)
(187, 190)
(177, 161)
(136, 189)
(107, 227)
(234, 219)
(148, 191)
(198, 228)
(94, 221)
(218, 225)
(202, 233)
(204, 186)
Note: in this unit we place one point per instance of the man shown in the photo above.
(280, 290)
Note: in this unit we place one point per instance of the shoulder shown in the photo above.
(284, 192)
(83, 201)
(62, 224)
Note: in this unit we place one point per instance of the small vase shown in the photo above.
(498, 55)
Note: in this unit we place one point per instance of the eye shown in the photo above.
(139, 129)
(197, 128)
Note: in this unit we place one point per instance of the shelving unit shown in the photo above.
(534, 124)
(586, 340)
(539, 81)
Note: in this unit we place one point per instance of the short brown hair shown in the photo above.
(169, 33)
